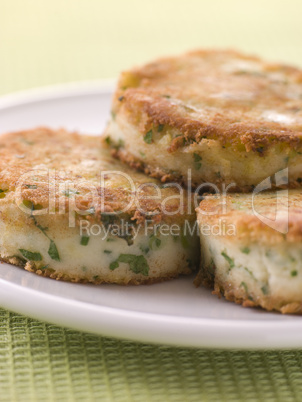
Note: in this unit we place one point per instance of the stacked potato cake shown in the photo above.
(69, 211)
(210, 116)
(224, 122)
(226, 125)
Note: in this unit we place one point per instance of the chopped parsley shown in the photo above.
(53, 251)
(148, 137)
(264, 289)
(154, 242)
(137, 263)
(294, 273)
(243, 284)
(29, 255)
(245, 250)
(197, 159)
(229, 259)
(250, 272)
(2, 193)
(114, 265)
(184, 241)
(145, 249)
(107, 251)
(160, 128)
(70, 192)
(108, 140)
(84, 240)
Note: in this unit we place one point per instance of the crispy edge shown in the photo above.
(113, 199)
(139, 106)
(249, 228)
(168, 176)
(240, 296)
(50, 273)
(144, 106)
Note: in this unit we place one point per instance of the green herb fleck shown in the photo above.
(114, 265)
(108, 140)
(2, 193)
(250, 272)
(29, 255)
(84, 240)
(245, 250)
(264, 289)
(294, 273)
(44, 266)
(197, 159)
(184, 240)
(96, 277)
(119, 144)
(154, 242)
(109, 239)
(53, 251)
(148, 137)
(142, 154)
(260, 149)
(145, 249)
(137, 263)
(160, 128)
(243, 284)
(31, 186)
(68, 193)
(121, 98)
(107, 251)
(229, 259)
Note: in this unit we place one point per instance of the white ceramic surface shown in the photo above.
(174, 312)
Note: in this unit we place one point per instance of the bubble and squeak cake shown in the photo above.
(69, 211)
(230, 118)
(251, 248)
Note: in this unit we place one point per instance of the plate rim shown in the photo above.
(172, 330)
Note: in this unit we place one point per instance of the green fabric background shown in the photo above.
(47, 42)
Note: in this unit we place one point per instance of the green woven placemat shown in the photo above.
(43, 42)
(40, 361)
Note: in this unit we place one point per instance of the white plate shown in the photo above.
(174, 312)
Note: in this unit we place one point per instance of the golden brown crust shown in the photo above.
(156, 173)
(236, 209)
(66, 168)
(239, 295)
(223, 95)
(173, 177)
(50, 273)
